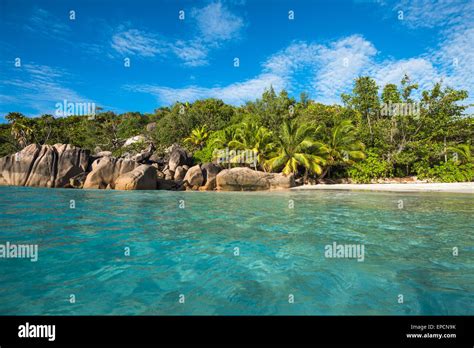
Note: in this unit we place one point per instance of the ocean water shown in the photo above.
(184, 244)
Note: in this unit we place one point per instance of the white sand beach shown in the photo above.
(458, 187)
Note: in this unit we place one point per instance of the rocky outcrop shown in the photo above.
(172, 185)
(141, 178)
(106, 170)
(77, 181)
(180, 173)
(103, 154)
(145, 154)
(64, 165)
(43, 166)
(209, 172)
(194, 177)
(246, 179)
(177, 157)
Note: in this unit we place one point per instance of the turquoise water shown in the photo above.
(190, 251)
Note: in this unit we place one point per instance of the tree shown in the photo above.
(390, 94)
(342, 146)
(297, 148)
(463, 153)
(198, 137)
(252, 137)
(365, 100)
(21, 128)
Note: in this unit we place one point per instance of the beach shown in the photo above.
(458, 187)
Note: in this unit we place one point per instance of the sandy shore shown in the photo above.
(458, 187)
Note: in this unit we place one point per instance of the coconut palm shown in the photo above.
(20, 128)
(297, 148)
(198, 137)
(342, 146)
(223, 137)
(255, 139)
(463, 153)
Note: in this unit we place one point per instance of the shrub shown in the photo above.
(449, 172)
(372, 167)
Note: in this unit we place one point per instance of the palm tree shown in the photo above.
(255, 139)
(20, 128)
(223, 137)
(297, 148)
(464, 153)
(342, 146)
(198, 137)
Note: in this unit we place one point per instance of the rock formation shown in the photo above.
(64, 165)
(106, 170)
(246, 179)
(194, 178)
(141, 178)
(43, 166)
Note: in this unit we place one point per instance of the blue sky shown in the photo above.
(320, 51)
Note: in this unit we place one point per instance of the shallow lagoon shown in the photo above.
(191, 251)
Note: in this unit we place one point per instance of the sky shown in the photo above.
(180, 50)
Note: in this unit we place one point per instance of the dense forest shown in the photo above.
(377, 132)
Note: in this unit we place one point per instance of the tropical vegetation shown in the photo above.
(364, 138)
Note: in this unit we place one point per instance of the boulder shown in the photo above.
(107, 170)
(169, 174)
(194, 177)
(180, 173)
(144, 155)
(43, 166)
(210, 171)
(246, 179)
(141, 178)
(156, 158)
(164, 184)
(178, 157)
(103, 154)
(78, 180)
(133, 140)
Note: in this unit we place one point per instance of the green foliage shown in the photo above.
(448, 172)
(288, 135)
(342, 147)
(250, 136)
(296, 149)
(178, 123)
(370, 168)
(204, 155)
(272, 110)
(198, 137)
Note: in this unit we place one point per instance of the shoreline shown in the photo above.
(456, 187)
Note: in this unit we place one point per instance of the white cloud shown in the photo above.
(216, 23)
(236, 93)
(192, 53)
(455, 55)
(44, 23)
(40, 87)
(136, 42)
(339, 63)
(436, 13)
(328, 70)
(420, 71)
